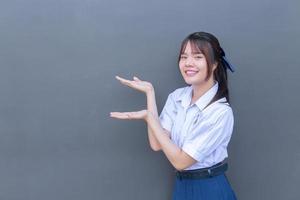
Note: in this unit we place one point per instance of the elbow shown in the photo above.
(179, 166)
(158, 149)
(155, 148)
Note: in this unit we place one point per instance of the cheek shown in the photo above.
(202, 64)
(181, 66)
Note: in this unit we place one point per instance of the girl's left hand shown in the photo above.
(142, 114)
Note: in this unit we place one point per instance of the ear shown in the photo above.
(215, 65)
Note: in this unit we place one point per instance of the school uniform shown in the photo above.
(203, 132)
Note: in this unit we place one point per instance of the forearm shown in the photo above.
(151, 102)
(172, 151)
(151, 106)
(154, 144)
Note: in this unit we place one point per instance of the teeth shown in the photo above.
(191, 72)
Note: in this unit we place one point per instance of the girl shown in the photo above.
(196, 123)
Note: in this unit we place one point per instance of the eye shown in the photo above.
(183, 57)
(198, 57)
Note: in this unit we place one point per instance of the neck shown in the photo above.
(199, 90)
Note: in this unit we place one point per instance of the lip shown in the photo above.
(190, 72)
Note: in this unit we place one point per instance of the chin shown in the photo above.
(190, 81)
(193, 82)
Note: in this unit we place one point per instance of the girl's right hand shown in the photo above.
(137, 84)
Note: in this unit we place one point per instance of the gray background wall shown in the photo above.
(58, 59)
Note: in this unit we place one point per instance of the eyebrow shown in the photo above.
(193, 53)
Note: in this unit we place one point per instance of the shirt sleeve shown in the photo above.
(168, 114)
(204, 142)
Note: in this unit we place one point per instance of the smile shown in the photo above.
(191, 72)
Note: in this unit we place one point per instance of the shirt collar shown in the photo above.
(203, 101)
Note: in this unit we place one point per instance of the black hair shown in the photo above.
(208, 44)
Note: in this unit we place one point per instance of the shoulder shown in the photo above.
(219, 110)
(179, 92)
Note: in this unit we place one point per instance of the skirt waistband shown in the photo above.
(214, 170)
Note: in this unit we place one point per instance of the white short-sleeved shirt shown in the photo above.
(203, 133)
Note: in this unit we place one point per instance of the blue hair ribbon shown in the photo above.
(226, 63)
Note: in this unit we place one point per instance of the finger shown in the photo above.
(136, 78)
(126, 115)
(121, 79)
(120, 115)
(124, 81)
(123, 114)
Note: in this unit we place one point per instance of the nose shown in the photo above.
(188, 61)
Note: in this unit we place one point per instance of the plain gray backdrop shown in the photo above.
(58, 59)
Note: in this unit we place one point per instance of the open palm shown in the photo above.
(142, 114)
(137, 84)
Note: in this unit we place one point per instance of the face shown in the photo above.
(193, 66)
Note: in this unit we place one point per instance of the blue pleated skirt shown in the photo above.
(213, 188)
